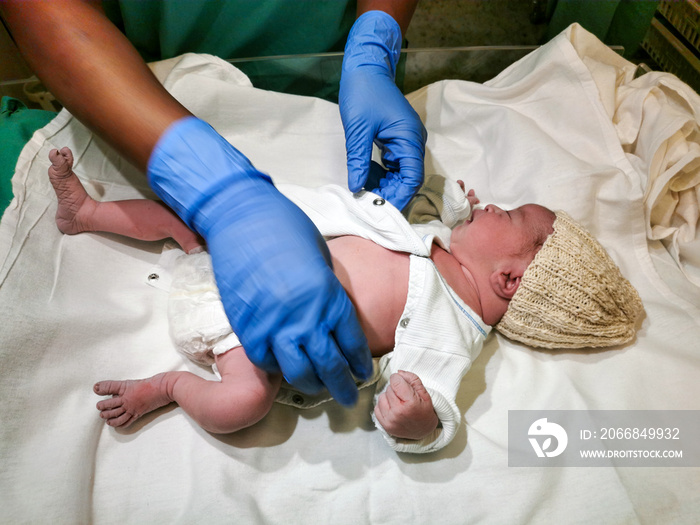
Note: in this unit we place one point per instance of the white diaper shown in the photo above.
(198, 324)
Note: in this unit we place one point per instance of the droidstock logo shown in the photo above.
(545, 430)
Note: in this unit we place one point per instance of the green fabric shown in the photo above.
(17, 125)
(427, 204)
(244, 29)
(615, 22)
(233, 29)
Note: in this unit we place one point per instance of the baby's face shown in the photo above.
(493, 234)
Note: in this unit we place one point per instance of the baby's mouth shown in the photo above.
(477, 207)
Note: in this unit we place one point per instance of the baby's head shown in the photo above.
(572, 295)
(495, 247)
(544, 280)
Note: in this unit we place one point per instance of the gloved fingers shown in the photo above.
(399, 187)
(262, 357)
(404, 142)
(295, 364)
(358, 143)
(398, 193)
(332, 367)
(376, 175)
(352, 342)
(405, 159)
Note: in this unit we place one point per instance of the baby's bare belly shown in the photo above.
(376, 280)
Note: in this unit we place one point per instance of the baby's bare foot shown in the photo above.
(131, 399)
(74, 204)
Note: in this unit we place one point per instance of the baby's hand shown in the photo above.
(405, 409)
(472, 198)
(471, 194)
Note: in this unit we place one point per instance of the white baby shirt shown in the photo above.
(438, 336)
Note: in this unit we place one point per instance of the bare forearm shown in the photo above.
(401, 10)
(94, 71)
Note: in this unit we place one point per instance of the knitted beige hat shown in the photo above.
(572, 295)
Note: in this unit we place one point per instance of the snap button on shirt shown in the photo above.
(404, 322)
(378, 202)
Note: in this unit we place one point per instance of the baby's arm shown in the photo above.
(405, 409)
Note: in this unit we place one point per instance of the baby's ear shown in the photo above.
(506, 280)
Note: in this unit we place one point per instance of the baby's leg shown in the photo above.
(242, 397)
(140, 219)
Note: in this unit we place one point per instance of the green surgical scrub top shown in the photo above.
(246, 29)
(233, 28)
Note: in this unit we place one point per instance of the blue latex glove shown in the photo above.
(271, 264)
(374, 110)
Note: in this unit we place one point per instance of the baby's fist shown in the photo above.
(405, 409)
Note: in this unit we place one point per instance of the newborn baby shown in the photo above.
(426, 298)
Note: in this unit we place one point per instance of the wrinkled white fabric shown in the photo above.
(656, 117)
(76, 310)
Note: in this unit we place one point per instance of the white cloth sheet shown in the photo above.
(77, 309)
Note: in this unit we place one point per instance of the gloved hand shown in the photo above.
(374, 110)
(271, 264)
